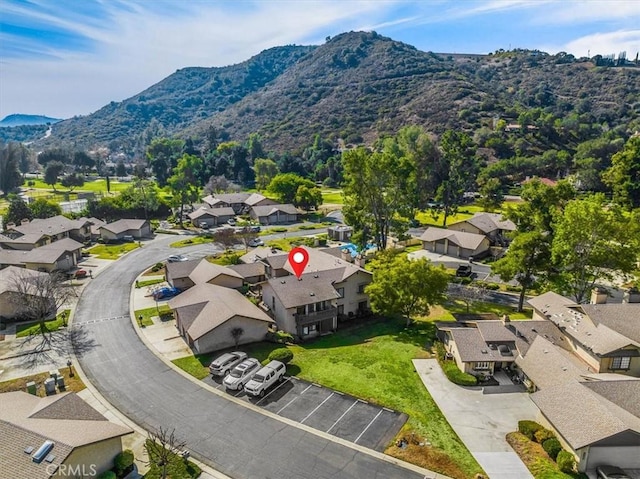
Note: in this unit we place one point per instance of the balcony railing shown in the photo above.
(306, 318)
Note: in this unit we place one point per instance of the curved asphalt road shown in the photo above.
(233, 439)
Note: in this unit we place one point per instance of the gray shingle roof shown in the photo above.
(50, 226)
(488, 222)
(622, 318)
(267, 210)
(52, 252)
(123, 225)
(9, 275)
(460, 238)
(310, 288)
(624, 392)
(220, 305)
(472, 346)
(215, 212)
(12, 257)
(227, 198)
(249, 270)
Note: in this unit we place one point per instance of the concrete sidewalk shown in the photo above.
(481, 420)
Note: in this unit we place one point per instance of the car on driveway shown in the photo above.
(176, 258)
(256, 242)
(222, 365)
(241, 374)
(265, 378)
(610, 472)
(231, 222)
(165, 292)
(464, 270)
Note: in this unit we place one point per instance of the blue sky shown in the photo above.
(70, 57)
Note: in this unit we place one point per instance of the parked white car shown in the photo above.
(265, 378)
(222, 365)
(241, 374)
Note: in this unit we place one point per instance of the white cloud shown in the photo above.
(602, 44)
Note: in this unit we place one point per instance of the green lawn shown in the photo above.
(464, 212)
(148, 313)
(148, 282)
(28, 329)
(191, 241)
(112, 251)
(332, 196)
(458, 306)
(97, 186)
(373, 362)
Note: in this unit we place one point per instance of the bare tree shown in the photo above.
(236, 334)
(162, 448)
(226, 237)
(467, 294)
(246, 236)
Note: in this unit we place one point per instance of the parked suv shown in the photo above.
(464, 270)
(222, 365)
(241, 374)
(265, 378)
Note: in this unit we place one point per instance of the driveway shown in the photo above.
(239, 441)
(481, 420)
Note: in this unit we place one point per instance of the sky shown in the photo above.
(63, 58)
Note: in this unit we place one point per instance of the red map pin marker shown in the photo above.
(298, 259)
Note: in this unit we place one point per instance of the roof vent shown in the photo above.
(315, 276)
(534, 330)
(50, 458)
(312, 294)
(29, 449)
(42, 451)
(484, 351)
(282, 281)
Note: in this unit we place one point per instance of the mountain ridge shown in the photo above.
(22, 119)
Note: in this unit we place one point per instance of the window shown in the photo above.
(621, 363)
(341, 309)
(341, 292)
(361, 287)
(482, 365)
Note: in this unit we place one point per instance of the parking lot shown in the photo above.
(329, 411)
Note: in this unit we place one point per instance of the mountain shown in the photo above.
(22, 120)
(188, 95)
(360, 85)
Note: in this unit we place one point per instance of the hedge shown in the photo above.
(283, 355)
(123, 461)
(543, 434)
(529, 428)
(108, 475)
(566, 462)
(552, 447)
(451, 370)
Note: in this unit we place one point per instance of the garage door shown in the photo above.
(452, 250)
(440, 247)
(625, 457)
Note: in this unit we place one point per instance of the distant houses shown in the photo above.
(220, 208)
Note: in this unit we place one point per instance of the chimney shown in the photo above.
(598, 296)
(632, 295)
(24, 221)
(346, 255)
(361, 260)
(505, 319)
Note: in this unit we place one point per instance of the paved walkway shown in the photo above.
(481, 420)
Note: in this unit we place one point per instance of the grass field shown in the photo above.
(332, 196)
(112, 251)
(97, 186)
(162, 311)
(372, 361)
(28, 329)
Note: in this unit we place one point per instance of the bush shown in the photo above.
(552, 447)
(451, 370)
(279, 337)
(283, 355)
(157, 267)
(108, 475)
(123, 462)
(566, 462)
(529, 428)
(542, 435)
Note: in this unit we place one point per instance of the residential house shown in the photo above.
(78, 440)
(11, 258)
(252, 274)
(24, 242)
(62, 255)
(117, 230)
(207, 314)
(183, 275)
(211, 216)
(605, 336)
(275, 214)
(459, 244)
(48, 230)
(96, 223)
(14, 284)
(346, 279)
(239, 202)
(599, 421)
(492, 225)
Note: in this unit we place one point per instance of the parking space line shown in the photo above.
(343, 415)
(365, 429)
(272, 391)
(317, 407)
(289, 403)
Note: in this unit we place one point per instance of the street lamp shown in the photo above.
(70, 370)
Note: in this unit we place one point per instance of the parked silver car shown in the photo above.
(222, 365)
(241, 374)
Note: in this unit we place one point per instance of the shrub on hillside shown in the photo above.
(566, 462)
(542, 435)
(283, 355)
(123, 462)
(529, 428)
(552, 447)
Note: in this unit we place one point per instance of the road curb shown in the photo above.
(378, 455)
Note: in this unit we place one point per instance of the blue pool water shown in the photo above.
(353, 249)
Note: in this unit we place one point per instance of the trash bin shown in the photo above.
(60, 383)
(50, 386)
(31, 387)
(54, 373)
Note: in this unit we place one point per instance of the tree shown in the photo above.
(18, 210)
(71, 181)
(491, 196)
(285, 186)
(183, 183)
(236, 334)
(623, 177)
(265, 170)
(10, 155)
(163, 448)
(226, 237)
(56, 154)
(217, 184)
(83, 162)
(308, 198)
(163, 154)
(121, 170)
(41, 208)
(51, 173)
(467, 294)
(246, 236)
(592, 242)
(375, 197)
(456, 171)
(405, 287)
